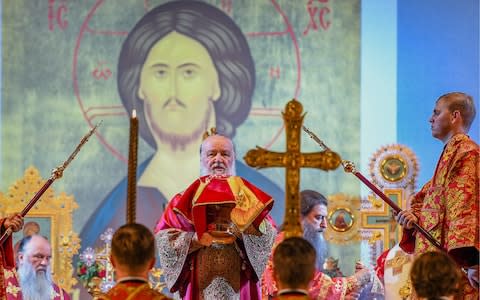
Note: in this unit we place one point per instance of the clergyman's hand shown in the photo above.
(472, 274)
(15, 221)
(406, 218)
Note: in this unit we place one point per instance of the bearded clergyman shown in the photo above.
(33, 278)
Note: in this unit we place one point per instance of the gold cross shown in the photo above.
(292, 160)
(397, 262)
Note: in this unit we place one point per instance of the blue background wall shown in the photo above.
(413, 52)
(438, 52)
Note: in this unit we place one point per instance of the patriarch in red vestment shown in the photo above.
(214, 239)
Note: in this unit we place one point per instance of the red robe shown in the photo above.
(447, 206)
(185, 216)
(133, 290)
(7, 260)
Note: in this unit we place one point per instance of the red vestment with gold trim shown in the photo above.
(448, 207)
(227, 269)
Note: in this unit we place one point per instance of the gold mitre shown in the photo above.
(206, 134)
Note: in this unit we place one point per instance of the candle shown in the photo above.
(132, 169)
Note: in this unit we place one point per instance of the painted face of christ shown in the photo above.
(179, 84)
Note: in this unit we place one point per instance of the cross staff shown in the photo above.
(292, 160)
(56, 173)
(349, 167)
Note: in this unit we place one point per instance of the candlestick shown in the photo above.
(132, 169)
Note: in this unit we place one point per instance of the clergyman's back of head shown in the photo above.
(133, 246)
(435, 275)
(294, 262)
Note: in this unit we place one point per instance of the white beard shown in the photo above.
(35, 286)
(204, 170)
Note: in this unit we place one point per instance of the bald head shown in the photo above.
(217, 156)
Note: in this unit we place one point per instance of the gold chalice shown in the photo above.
(222, 233)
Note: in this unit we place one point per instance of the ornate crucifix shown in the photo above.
(292, 160)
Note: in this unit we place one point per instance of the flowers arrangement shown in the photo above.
(88, 267)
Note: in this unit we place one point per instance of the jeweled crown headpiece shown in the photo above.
(206, 134)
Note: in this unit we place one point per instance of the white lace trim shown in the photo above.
(258, 248)
(219, 289)
(173, 245)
